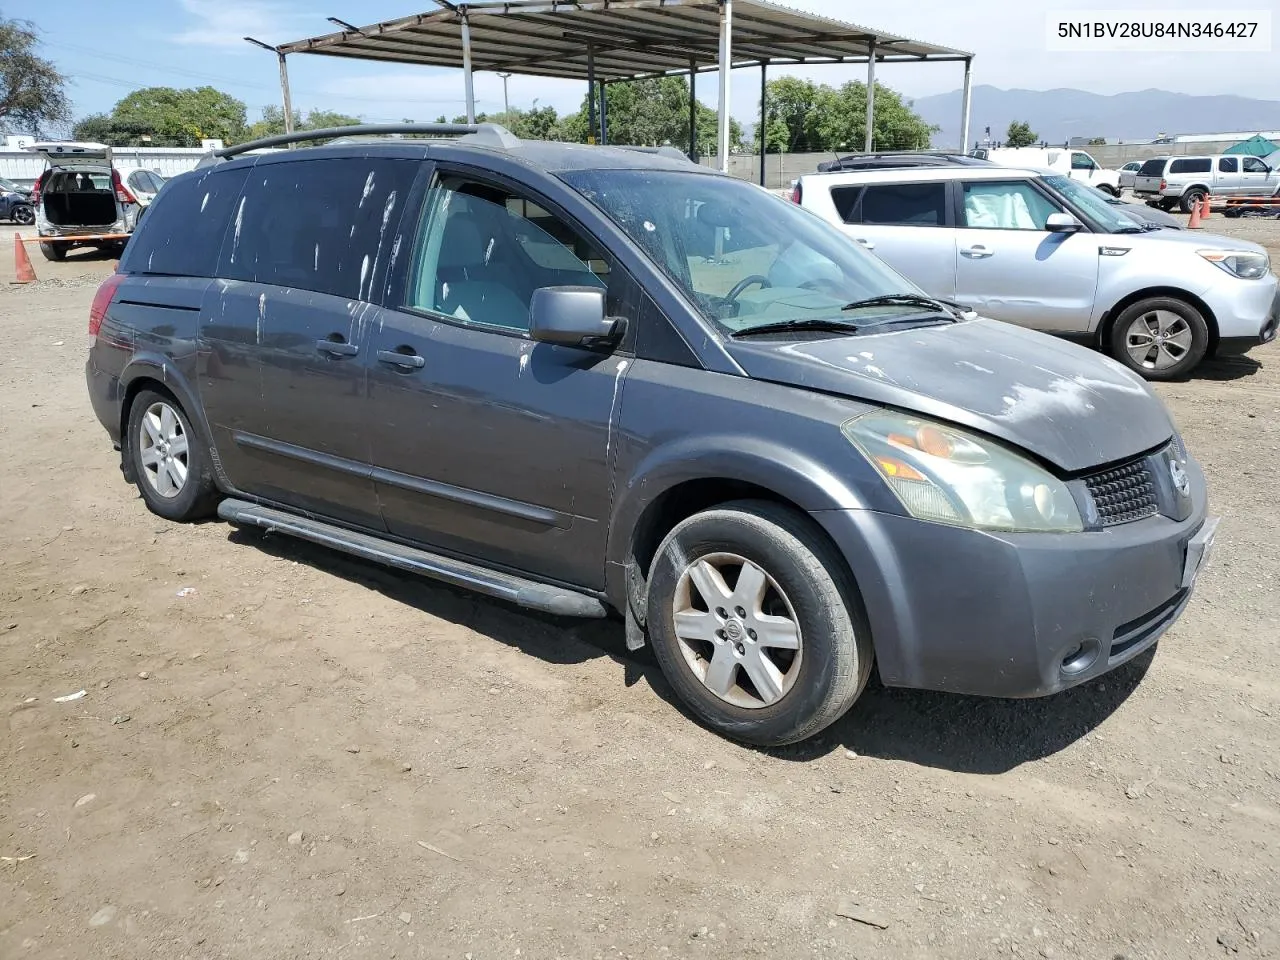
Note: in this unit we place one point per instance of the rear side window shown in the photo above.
(1153, 168)
(183, 228)
(905, 204)
(1228, 165)
(1191, 165)
(846, 202)
(317, 225)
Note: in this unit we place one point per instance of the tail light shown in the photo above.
(101, 300)
(122, 192)
(35, 190)
(796, 194)
(1164, 184)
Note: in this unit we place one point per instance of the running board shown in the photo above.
(504, 586)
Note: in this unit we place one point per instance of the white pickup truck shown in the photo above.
(1076, 164)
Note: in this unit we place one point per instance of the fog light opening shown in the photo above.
(1081, 657)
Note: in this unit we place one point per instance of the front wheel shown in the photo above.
(23, 214)
(171, 467)
(756, 623)
(1109, 189)
(1160, 338)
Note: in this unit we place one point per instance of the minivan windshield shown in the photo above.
(1104, 215)
(747, 258)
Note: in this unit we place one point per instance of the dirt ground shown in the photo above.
(285, 753)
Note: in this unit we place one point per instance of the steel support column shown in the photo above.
(726, 61)
(965, 101)
(591, 93)
(604, 116)
(871, 95)
(764, 116)
(693, 109)
(466, 70)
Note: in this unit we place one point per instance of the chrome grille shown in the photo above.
(1123, 494)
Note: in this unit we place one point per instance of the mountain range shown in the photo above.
(1057, 115)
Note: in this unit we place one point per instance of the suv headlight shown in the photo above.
(1245, 264)
(948, 475)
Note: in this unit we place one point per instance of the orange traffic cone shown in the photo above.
(1194, 222)
(21, 262)
(1204, 209)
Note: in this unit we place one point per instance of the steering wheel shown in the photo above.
(745, 282)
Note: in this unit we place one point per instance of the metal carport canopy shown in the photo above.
(610, 40)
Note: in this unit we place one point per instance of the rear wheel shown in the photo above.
(54, 251)
(1192, 199)
(755, 623)
(1109, 189)
(1160, 338)
(170, 465)
(1167, 204)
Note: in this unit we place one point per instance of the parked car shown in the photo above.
(593, 380)
(889, 161)
(142, 183)
(15, 203)
(1140, 213)
(1128, 173)
(1077, 164)
(1041, 250)
(1168, 182)
(81, 194)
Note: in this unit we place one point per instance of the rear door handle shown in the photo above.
(866, 243)
(977, 252)
(410, 361)
(337, 348)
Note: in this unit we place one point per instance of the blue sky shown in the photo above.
(107, 53)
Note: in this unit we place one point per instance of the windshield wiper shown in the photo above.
(908, 300)
(809, 323)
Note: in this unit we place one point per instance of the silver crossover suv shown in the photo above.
(1040, 250)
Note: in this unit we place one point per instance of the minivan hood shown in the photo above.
(1066, 404)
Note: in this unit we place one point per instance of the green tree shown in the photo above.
(823, 118)
(1098, 142)
(32, 91)
(164, 116)
(650, 113)
(1020, 135)
(272, 122)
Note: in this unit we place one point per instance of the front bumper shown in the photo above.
(1247, 311)
(1018, 615)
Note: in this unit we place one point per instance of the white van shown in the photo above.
(1076, 164)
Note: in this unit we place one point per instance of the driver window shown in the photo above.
(1254, 165)
(483, 250)
(1014, 205)
(1082, 161)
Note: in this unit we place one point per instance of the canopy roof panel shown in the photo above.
(626, 38)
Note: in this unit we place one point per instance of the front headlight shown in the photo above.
(1245, 264)
(947, 475)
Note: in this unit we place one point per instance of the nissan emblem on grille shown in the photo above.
(1123, 494)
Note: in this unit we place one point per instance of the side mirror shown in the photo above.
(570, 316)
(1062, 223)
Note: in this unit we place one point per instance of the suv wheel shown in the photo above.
(54, 251)
(755, 624)
(1161, 338)
(170, 465)
(1109, 189)
(1167, 204)
(1191, 199)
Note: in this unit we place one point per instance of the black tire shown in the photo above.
(1167, 204)
(1108, 189)
(834, 648)
(197, 495)
(23, 214)
(1119, 340)
(56, 252)
(1191, 199)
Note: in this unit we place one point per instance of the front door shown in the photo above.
(302, 264)
(1257, 179)
(1010, 268)
(485, 443)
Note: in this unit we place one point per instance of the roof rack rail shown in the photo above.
(665, 150)
(491, 134)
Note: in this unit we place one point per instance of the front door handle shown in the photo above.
(337, 348)
(977, 252)
(410, 361)
(866, 243)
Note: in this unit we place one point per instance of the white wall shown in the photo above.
(23, 167)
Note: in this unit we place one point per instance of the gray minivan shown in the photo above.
(600, 380)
